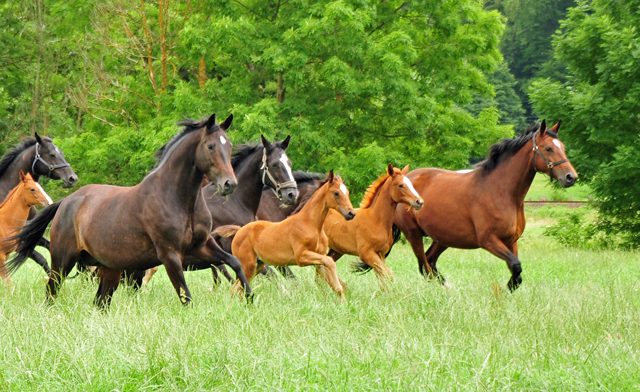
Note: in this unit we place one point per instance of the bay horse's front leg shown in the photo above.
(172, 262)
(307, 257)
(498, 248)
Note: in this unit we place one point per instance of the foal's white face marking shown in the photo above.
(410, 186)
(44, 193)
(222, 140)
(343, 189)
(557, 143)
(285, 161)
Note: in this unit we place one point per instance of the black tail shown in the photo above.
(30, 235)
(362, 268)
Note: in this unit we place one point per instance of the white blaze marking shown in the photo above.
(44, 193)
(343, 189)
(410, 186)
(285, 161)
(222, 140)
(557, 143)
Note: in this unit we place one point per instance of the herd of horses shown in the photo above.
(204, 206)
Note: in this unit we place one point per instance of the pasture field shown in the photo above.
(573, 326)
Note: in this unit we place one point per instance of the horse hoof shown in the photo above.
(446, 285)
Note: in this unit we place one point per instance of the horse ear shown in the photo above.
(285, 143)
(22, 176)
(211, 121)
(38, 139)
(265, 142)
(227, 123)
(543, 127)
(405, 170)
(390, 169)
(556, 128)
(330, 176)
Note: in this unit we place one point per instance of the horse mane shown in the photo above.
(507, 147)
(10, 195)
(242, 152)
(304, 176)
(370, 193)
(304, 201)
(189, 126)
(21, 147)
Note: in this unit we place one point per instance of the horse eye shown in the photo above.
(401, 186)
(275, 165)
(336, 194)
(52, 155)
(548, 149)
(210, 147)
(33, 190)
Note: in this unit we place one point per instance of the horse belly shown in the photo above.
(448, 227)
(272, 246)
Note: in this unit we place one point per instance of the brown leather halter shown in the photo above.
(549, 164)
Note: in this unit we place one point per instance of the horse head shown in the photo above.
(213, 155)
(549, 155)
(337, 196)
(402, 190)
(49, 161)
(33, 193)
(276, 170)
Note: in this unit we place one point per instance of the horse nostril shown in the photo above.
(570, 179)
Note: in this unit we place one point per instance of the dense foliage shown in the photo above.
(356, 83)
(600, 102)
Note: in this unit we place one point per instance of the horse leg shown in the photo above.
(38, 258)
(109, 281)
(432, 255)
(286, 272)
(172, 262)
(4, 273)
(499, 249)
(148, 274)
(134, 278)
(414, 237)
(335, 255)
(210, 254)
(308, 257)
(377, 262)
(61, 266)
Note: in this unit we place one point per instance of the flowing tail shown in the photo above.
(363, 268)
(30, 235)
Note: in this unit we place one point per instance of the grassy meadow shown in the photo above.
(572, 326)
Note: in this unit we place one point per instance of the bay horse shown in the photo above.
(297, 240)
(485, 207)
(158, 221)
(37, 156)
(14, 211)
(369, 235)
(264, 164)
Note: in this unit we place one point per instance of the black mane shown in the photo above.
(189, 126)
(21, 147)
(507, 147)
(242, 152)
(304, 176)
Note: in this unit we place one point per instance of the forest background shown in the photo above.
(358, 84)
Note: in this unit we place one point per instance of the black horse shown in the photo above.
(158, 221)
(40, 157)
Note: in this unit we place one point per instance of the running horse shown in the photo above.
(264, 164)
(485, 207)
(14, 211)
(158, 221)
(37, 156)
(369, 235)
(297, 240)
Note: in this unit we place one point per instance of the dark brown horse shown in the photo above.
(485, 207)
(263, 164)
(37, 156)
(158, 221)
(273, 210)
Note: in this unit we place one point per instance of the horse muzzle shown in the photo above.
(289, 195)
(348, 214)
(418, 204)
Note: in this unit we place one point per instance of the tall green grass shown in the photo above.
(543, 188)
(573, 325)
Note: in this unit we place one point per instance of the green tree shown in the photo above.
(600, 102)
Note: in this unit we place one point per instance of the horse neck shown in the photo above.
(248, 173)
(177, 177)
(11, 178)
(316, 209)
(15, 204)
(383, 206)
(513, 176)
